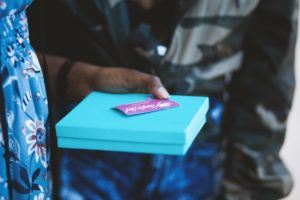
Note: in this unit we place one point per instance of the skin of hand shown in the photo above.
(85, 77)
(146, 4)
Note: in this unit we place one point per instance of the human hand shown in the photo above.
(121, 80)
(84, 78)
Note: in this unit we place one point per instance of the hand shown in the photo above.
(84, 78)
(121, 80)
(146, 4)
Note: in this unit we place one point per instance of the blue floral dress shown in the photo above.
(24, 129)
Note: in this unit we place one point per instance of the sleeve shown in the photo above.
(259, 101)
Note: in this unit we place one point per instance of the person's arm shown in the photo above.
(260, 97)
(263, 87)
(84, 78)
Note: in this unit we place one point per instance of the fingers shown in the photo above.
(121, 80)
(145, 83)
(156, 88)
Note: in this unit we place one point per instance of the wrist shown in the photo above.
(81, 80)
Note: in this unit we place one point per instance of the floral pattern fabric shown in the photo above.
(24, 127)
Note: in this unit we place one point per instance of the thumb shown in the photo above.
(156, 88)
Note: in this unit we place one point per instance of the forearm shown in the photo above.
(84, 77)
(264, 80)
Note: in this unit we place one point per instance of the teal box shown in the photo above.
(94, 124)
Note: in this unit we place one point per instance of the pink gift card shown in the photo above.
(150, 105)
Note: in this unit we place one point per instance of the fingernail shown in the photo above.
(164, 93)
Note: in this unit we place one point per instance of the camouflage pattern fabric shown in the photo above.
(240, 51)
(261, 94)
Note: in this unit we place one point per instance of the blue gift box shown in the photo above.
(94, 124)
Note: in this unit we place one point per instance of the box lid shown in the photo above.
(96, 118)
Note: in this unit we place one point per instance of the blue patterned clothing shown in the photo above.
(24, 129)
